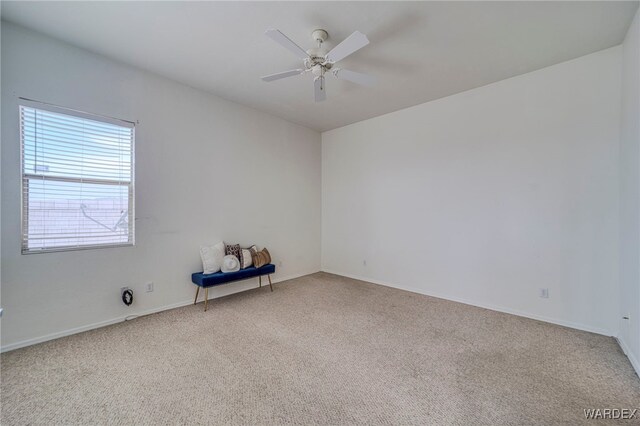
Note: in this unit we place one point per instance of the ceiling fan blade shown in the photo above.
(283, 74)
(286, 42)
(319, 89)
(354, 42)
(355, 77)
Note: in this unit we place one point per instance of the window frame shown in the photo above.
(24, 194)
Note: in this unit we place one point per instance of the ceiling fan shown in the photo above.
(318, 61)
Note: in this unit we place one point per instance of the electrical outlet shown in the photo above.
(364, 262)
(544, 293)
(149, 287)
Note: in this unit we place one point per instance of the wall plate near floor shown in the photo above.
(149, 287)
(544, 293)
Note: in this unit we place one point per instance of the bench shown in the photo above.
(210, 280)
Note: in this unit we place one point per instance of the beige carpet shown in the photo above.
(321, 349)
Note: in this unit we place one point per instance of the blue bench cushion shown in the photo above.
(209, 280)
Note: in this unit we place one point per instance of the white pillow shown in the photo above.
(247, 259)
(230, 264)
(212, 258)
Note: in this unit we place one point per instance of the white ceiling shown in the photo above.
(419, 51)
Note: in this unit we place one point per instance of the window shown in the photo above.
(77, 179)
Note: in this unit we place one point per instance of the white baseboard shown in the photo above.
(632, 358)
(76, 330)
(503, 309)
(294, 276)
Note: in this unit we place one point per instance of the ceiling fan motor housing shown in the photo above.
(316, 61)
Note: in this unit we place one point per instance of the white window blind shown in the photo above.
(77, 179)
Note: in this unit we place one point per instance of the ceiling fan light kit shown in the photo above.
(318, 61)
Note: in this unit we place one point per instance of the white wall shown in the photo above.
(482, 197)
(488, 195)
(630, 195)
(206, 169)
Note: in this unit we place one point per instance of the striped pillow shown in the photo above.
(261, 258)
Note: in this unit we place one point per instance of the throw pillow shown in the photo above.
(234, 250)
(247, 259)
(230, 263)
(262, 258)
(212, 258)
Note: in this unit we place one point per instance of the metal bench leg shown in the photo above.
(260, 280)
(269, 276)
(197, 291)
(206, 298)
